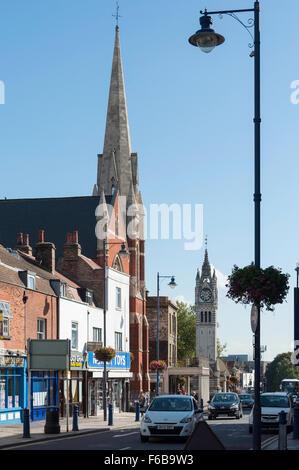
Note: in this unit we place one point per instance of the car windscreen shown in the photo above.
(171, 404)
(245, 397)
(225, 397)
(274, 401)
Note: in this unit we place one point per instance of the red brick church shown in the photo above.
(114, 212)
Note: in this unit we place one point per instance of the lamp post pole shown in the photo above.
(206, 39)
(171, 284)
(122, 253)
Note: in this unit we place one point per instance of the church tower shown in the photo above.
(206, 306)
(122, 213)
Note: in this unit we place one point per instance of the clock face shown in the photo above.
(206, 295)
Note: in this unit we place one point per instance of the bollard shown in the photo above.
(137, 411)
(282, 433)
(75, 417)
(296, 423)
(52, 420)
(110, 415)
(26, 424)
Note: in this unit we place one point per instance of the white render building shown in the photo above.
(83, 323)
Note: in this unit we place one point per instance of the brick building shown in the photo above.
(167, 331)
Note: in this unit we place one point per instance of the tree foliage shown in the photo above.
(186, 331)
(280, 368)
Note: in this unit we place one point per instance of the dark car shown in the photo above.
(247, 400)
(228, 404)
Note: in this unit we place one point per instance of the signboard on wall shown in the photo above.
(49, 354)
(121, 361)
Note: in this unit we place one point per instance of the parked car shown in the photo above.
(247, 400)
(272, 403)
(228, 404)
(170, 416)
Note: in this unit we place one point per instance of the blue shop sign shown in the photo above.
(121, 361)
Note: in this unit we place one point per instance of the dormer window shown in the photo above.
(63, 289)
(31, 282)
(29, 279)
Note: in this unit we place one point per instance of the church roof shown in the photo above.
(56, 216)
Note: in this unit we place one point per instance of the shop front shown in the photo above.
(12, 388)
(72, 386)
(118, 380)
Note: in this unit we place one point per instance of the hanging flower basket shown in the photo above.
(158, 366)
(257, 286)
(105, 354)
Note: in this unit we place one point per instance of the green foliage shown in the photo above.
(280, 368)
(221, 348)
(186, 331)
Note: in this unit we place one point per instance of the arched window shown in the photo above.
(117, 264)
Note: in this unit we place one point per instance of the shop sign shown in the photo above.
(120, 361)
(76, 361)
(11, 361)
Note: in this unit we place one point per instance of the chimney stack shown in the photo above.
(45, 252)
(72, 248)
(23, 244)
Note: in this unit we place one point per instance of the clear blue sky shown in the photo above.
(191, 123)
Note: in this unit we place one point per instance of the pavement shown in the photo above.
(272, 443)
(13, 435)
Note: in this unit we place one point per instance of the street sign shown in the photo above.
(254, 318)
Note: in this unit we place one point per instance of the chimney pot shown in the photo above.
(69, 238)
(41, 236)
(75, 237)
(20, 239)
(26, 239)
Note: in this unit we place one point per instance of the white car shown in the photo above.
(170, 416)
(272, 403)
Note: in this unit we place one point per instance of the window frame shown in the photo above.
(41, 333)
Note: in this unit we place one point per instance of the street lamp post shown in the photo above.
(207, 39)
(122, 253)
(171, 284)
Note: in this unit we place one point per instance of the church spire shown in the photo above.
(115, 163)
(206, 267)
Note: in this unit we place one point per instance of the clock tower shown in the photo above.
(206, 304)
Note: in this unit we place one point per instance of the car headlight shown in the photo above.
(147, 419)
(187, 419)
(235, 406)
(211, 407)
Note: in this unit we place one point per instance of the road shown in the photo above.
(231, 432)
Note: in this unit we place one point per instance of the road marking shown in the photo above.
(125, 448)
(128, 434)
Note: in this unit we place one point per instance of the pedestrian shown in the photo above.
(142, 402)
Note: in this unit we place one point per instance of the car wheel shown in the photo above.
(250, 429)
(143, 438)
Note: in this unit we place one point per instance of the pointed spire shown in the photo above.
(206, 267)
(116, 160)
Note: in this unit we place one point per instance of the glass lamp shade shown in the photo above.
(207, 42)
(172, 283)
(123, 252)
